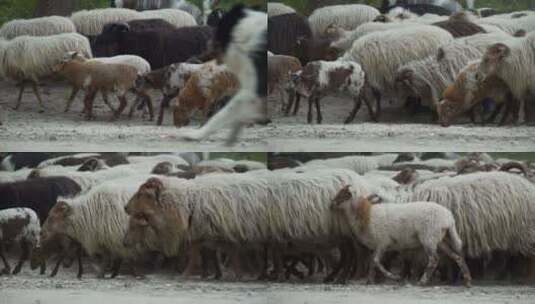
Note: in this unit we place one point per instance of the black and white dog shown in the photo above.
(240, 42)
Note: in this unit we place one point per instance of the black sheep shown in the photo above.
(38, 194)
(159, 48)
(290, 34)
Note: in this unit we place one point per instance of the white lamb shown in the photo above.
(399, 227)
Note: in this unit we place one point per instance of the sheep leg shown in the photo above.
(338, 266)
(377, 255)
(7, 269)
(263, 274)
(107, 101)
(79, 257)
(88, 104)
(506, 114)
(291, 100)
(296, 104)
(122, 106)
(38, 95)
(346, 272)
(309, 115)
(24, 255)
(217, 265)
(356, 106)
(163, 104)
(43, 268)
(74, 92)
(432, 264)
(56, 268)
(21, 90)
(116, 266)
(495, 113)
(318, 109)
(459, 260)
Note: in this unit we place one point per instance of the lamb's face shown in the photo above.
(57, 221)
(342, 200)
(306, 80)
(492, 59)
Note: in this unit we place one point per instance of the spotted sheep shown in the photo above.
(322, 78)
(18, 225)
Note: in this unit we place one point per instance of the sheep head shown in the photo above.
(57, 221)
(151, 220)
(162, 168)
(492, 59)
(354, 208)
(92, 164)
(305, 81)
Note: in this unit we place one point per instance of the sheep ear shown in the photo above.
(63, 208)
(499, 51)
(153, 185)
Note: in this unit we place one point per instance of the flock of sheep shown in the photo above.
(120, 51)
(404, 215)
(458, 65)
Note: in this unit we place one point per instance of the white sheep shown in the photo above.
(178, 18)
(510, 26)
(493, 210)
(348, 16)
(429, 77)
(513, 61)
(19, 225)
(91, 22)
(43, 26)
(28, 59)
(346, 38)
(399, 227)
(276, 8)
(381, 54)
(97, 220)
(357, 163)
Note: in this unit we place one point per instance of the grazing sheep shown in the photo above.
(276, 8)
(428, 78)
(170, 82)
(397, 227)
(43, 26)
(3, 116)
(94, 76)
(37, 194)
(290, 34)
(245, 55)
(321, 78)
(28, 59)
(513, 61)
(467, 91)
(510, 26)
(487, 216)
(108, 159)
(280, 68)
(346, 16)
(203, 90)
(140, 25)
(19, 225)
(19, 160)
(97, 220)
(229, 164)
(382, 54)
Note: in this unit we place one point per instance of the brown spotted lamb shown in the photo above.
(18, 225)
(322, 78)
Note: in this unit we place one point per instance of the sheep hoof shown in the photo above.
(16, 270)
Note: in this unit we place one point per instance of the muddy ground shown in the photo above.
(29, 287)
(29, 130)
